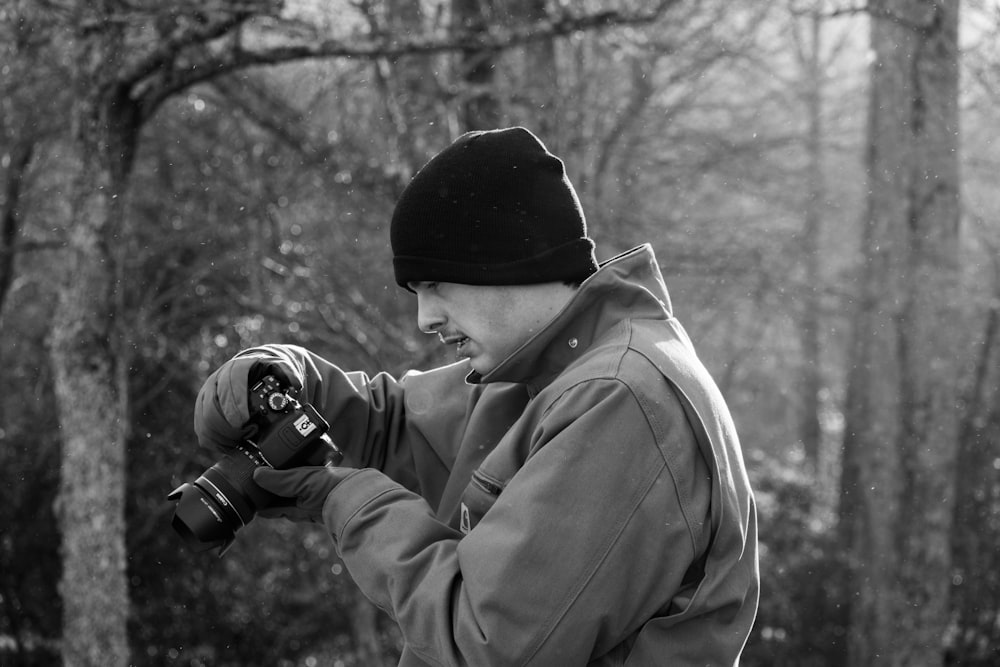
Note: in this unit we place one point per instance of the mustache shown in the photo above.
(450, 338)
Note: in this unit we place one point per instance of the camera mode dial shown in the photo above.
(278, 401)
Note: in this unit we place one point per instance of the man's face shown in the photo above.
(484, 323)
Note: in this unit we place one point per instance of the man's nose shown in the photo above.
(430, 319)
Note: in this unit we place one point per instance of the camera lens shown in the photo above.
(220, 502)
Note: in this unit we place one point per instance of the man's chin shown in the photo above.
(479, 365)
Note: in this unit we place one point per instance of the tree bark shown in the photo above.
(89, 368)
(18, 160)
(901, 427)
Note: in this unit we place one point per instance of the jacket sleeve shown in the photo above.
(407, 428)
(587, 540)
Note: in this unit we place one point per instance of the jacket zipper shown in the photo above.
(487, 484)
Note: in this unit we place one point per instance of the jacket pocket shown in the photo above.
(480, 495)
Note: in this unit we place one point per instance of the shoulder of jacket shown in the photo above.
(623, 354)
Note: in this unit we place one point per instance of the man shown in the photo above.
(571, 491)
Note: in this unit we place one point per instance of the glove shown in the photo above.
(222, 409)
(307, 486)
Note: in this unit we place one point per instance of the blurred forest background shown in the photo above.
(181, 180)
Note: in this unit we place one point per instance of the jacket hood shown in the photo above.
(629, 285)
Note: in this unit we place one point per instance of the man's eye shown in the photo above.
(422, 286)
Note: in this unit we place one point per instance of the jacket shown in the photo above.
(584, 503)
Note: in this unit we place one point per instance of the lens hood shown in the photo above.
(203, 523)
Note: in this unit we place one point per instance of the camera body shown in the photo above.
(225, 498)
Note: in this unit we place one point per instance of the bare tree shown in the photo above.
(901, 427)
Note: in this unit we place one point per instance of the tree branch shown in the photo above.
(156, 77)
(168, 49)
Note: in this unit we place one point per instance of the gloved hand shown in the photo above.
(307, 486)
(222, 409)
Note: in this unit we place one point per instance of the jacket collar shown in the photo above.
(629, 285)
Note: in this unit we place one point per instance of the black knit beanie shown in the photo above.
(494, 208)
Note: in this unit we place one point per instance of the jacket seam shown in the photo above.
(593, 567)
(600, 556)
(683, 501)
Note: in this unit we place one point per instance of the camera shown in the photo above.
(225, 498)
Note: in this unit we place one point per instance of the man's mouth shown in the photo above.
(457, 340)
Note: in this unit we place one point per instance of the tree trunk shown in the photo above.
(901, 429)
(539, 93)
(811, 380)
(481, 107)
(89, 369)
(977, 529)
(92, 491)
